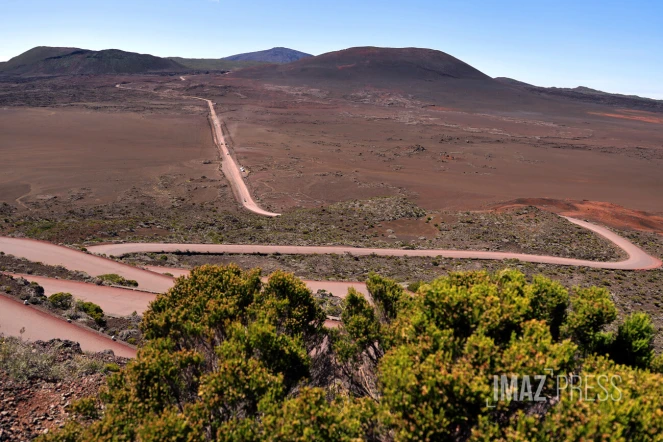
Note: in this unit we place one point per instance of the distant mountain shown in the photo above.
(274, 55)
(589, 95)
(73, 61)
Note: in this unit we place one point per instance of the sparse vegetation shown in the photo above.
(92, 310)
(21, 361)
(115, 279)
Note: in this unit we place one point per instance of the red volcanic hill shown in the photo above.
(423, 73)
(371, 63)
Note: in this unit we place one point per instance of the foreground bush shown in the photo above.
(230, 358)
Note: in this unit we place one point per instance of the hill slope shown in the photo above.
(588, 95)
(35, 55)
(274, 55)
(423, 74)
(83, 61)
(373, 64)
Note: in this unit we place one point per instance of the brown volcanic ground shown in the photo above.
(78, 156)
(348, 125)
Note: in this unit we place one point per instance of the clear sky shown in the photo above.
(616, 46)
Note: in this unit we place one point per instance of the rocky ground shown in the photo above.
(12, 264)
(378, 222)
(40, 381)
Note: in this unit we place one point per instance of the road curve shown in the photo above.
(637, 259)
(114, 301)
(229, 166)
(38, 325)
(51, 254)
(118, 301)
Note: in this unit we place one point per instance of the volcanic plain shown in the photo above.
(368, 148)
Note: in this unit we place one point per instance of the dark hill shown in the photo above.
(213, 64)
(424, 74)
(83, 61)
(373, 64)
(274, 55)
(35, 55)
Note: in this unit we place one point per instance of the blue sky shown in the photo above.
(615, 46)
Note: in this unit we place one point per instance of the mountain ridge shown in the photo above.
(44, 60)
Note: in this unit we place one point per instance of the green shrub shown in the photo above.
(118, 280)
(634, 343)
(414, 286)
(591, 310)
(112, 367)
(62, 301)
(92, 310)
(227, 357)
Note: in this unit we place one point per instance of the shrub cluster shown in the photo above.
(92, 310)
(230, 358)
(61, 301)
(118, 280)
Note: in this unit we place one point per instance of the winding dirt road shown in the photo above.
(637, 259)
(51, 254)
(122, 302)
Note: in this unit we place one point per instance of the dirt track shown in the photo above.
(38, 325)
(114, 301)
(51, 254)
(120, 301)
(230, 167)
(637, 260)
(228, 164)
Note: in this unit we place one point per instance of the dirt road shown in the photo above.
(37, 325)
(118, 301)
(231, 169)
(51, 254)
(114, 301)
(229, 166)
(637, 259)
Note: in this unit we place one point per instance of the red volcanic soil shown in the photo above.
(627, 114)
(602, 212)
(97, 157)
